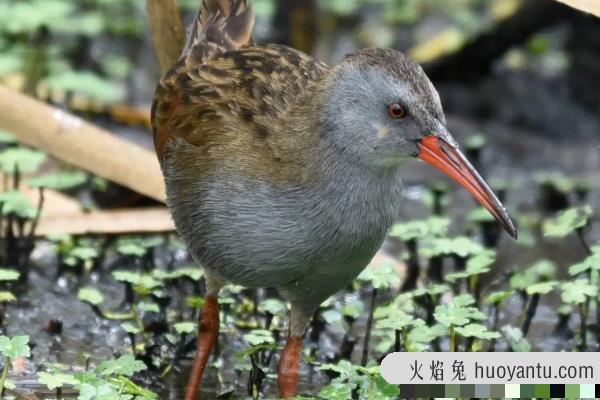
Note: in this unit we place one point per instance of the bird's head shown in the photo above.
(381, 109)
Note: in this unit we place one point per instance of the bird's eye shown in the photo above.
(397, 111)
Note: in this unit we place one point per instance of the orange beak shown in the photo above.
(448, 159)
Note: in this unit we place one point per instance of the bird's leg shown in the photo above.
(208, 334)
(289, 364)
(289, 367)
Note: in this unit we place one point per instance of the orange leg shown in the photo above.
(289, 367)
(208, 334)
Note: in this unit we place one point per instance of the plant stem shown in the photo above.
(365, 353)
(583, 313)
(475, 289)
(583, 242)
(414, 268)
(397, 341)
(531, 309)
(584, 309)
(492, 347)
(4, 375)
(434, 272)
(452, 339)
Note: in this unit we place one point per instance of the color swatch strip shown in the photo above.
(568, 391)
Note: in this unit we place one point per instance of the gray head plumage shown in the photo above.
(360, 90)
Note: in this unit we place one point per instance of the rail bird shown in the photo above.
(284, 172)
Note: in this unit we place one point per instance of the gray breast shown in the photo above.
(256, 234)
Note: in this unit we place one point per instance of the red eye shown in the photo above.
(397, 111)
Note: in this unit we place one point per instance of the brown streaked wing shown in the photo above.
(246, 92)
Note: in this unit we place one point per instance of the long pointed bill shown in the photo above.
(448, 159)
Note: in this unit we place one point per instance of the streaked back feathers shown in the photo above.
(220, 26)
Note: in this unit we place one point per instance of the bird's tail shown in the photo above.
(221, 25)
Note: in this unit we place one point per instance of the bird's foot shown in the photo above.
(289, 368)
(208, 334)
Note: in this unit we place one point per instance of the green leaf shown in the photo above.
(382, 277)
(477, 331)
(258, 337)
(117, 67)
(9, 274)
(353, 308)
(130, 328)
(185, 327)
(240, 355)
(431, 290)
(87, 84)
(340, 7)
(334, 318)
(273, 307)
(193, 273)
(196, 302)
(84, 253)
(27, 160)
(89, 24)
(544, 269)
(476, 141)
(14, 347)
(460, 246)
(481, 263)
(265, 9)
(562, 183)
(9, 63)
(56, 380)
(125, 365)
(27, 17)
(88, 377)
(386, 390)
(14, 202)
(542, 288)
(523, 280)
(464, 247)
(480, 215)
(398, 321)
(343, 367)
(515, 339)
(421, 335)
(146, 306)
(90, 295)
(590, 263)
(434, 226)
(463, 300)
(127, 277)
(567, 222)
(5, 137)
(131, 248)
(458, 312)
(498, 297)
(538, 45)
(7, 297)
(477, 265)
(142, 283)
(409, 230)
(578, 291)
(125, 384)
(336, 391)
(59, 181)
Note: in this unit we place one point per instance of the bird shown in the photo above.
(284, 172)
